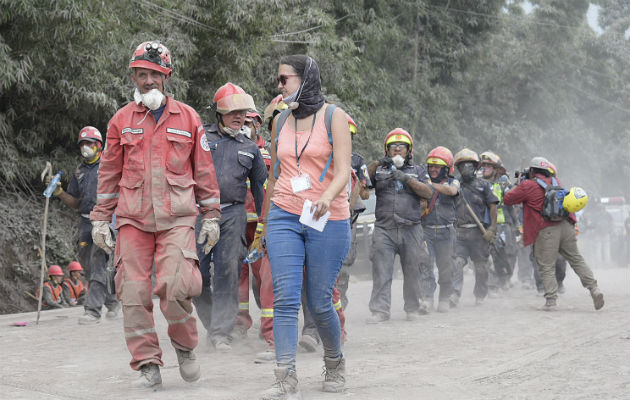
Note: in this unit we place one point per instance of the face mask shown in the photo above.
(398, 160)
(467, 170)
(152, 99)
(247, 131)
(291, 100)
(229, 131)
(88, 152)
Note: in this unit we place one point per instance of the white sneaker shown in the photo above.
(266, 356)
(89, 319)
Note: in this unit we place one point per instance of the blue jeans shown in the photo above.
(294, 247)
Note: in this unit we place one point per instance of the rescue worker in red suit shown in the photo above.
(237, 158)
(52, 297)
(262, 286)
(153, 171)
(74, 290)
(81, 196)
(550, 238)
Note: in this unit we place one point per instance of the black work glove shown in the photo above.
(400, 176)
(385, 162)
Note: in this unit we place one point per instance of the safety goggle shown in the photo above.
(397, 146)
(282, 79)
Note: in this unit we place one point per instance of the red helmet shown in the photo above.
(231, 97)
(255, 115)
(440, 156)
(399, 135)
(91, 134)
(74, 266)
(55, 270)
(152, 55)
(552, 168)
(351, 124)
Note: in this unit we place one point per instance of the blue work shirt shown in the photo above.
(83, 186)
(236, 159)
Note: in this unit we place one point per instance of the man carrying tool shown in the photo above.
(81, 196)
(476, 211)
(155, 167)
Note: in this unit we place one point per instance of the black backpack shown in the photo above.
(554, 196)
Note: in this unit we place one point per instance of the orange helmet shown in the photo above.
(440, 156)
(91, 134)
(152, 55)
(55, 270)
(231, 97)
(74, 266)
(399, 135)
(351, 124)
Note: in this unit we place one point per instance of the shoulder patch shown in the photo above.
(203, 141)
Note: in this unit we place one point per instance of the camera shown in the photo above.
(524, 173)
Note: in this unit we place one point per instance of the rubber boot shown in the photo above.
(285, 387)
(150, 377)
(598, 298)
(188, 365)
(334, 374)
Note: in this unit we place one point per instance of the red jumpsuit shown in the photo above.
(152, 175)
(260, 269)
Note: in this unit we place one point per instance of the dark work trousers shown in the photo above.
(441, 245)
(94, 260)
(470, 243)
(503, 257)
(407, 241)
(217, 306)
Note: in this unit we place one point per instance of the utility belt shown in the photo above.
(438, 226)
(467, 226)
(226, 205)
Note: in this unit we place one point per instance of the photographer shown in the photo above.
(550, 237)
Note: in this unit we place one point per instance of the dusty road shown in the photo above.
(505, 349)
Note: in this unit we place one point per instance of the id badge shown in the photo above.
(300, 183)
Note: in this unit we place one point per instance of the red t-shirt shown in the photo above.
(532, 195)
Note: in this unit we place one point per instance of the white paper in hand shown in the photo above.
(307, 217)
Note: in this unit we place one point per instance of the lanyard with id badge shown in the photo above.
(302, 182)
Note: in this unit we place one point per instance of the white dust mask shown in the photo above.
(398, 160)
(151, 99)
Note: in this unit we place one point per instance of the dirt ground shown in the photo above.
(504, 349)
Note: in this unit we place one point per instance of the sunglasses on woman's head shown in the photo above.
(283, 78)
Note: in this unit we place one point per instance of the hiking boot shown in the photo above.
(112, 312)
(453, 300)
(425, 307)
(285, 387)
(334, 374)
(377, 318)
(598, 298)
(443, 306)
(308, 343)
(493, 293)
(413, 316)
(239, 333)
(223, 346)
(89, 319)
(150, 377)
(550, 305)
(188, 365)
(266, 356)
(479, 301)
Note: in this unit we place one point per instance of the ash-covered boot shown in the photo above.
(285, 387)
(150, 377)
(188, 365)
(334, 374)
(598, 298)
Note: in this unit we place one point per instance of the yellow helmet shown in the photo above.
(575, 200)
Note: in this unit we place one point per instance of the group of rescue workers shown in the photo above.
(186, 202)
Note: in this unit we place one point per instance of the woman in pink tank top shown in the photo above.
(307, 169)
